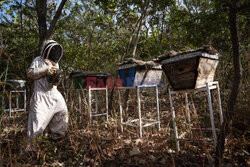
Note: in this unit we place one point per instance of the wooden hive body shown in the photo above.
(191, 70)
(135, 74)
(80, 79)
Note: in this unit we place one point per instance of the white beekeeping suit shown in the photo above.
(47, 105)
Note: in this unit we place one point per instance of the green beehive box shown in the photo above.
(77, 82)
(80, 78)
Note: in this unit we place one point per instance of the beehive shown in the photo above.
(12, 84)
(80, 79)
(137, 72)
(191, 69)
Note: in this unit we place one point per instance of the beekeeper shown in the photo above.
(47, 105)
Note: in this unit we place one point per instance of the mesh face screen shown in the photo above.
(55, 53)
(45, 50)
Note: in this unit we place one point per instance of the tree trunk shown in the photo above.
(21, 26)
(44, 33)
(143, 18)
(41, 9)
(235, 87)
(141, 22)
(130, 41)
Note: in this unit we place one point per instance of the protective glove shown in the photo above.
(51, 70)
(56, 78)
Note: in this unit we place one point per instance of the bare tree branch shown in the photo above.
(143, 19)
(130, 41)
(55, 18)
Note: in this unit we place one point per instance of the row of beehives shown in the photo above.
(185, 70)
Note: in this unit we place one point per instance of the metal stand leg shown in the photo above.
(211, 113)
(120, 104)
(174, 123)
(15, 107)
(90, 114)
(219, 99)
(95, 113)
(158, 108)
(139, 110)
(140, 122)
(107, 103)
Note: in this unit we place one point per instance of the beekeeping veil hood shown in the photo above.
(52, 51)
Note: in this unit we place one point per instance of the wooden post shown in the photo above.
(80, 104)
(17, 101)
(96, 102)
(187, 107)
(219, 99)
(211, 113)
(10, 109)
(174, 123)
(158, 108)
(90, 115)
(120, 104)
(107, 103)
(139, 110)
(24, 99)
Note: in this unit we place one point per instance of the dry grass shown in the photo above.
(103, 144)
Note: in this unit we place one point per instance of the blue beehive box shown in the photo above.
(128, 76)
(137, 72)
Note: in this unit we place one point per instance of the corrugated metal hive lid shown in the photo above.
(131, 62)
(172, 56)
(88, 74)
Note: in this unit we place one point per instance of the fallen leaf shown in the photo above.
(162, 161)
(137, 141)
(127, 141)
(134, 151)
(152, 157)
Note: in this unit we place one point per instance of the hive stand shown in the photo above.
(209, 86)
(10, 109)
(89, 96)
(140, 119)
